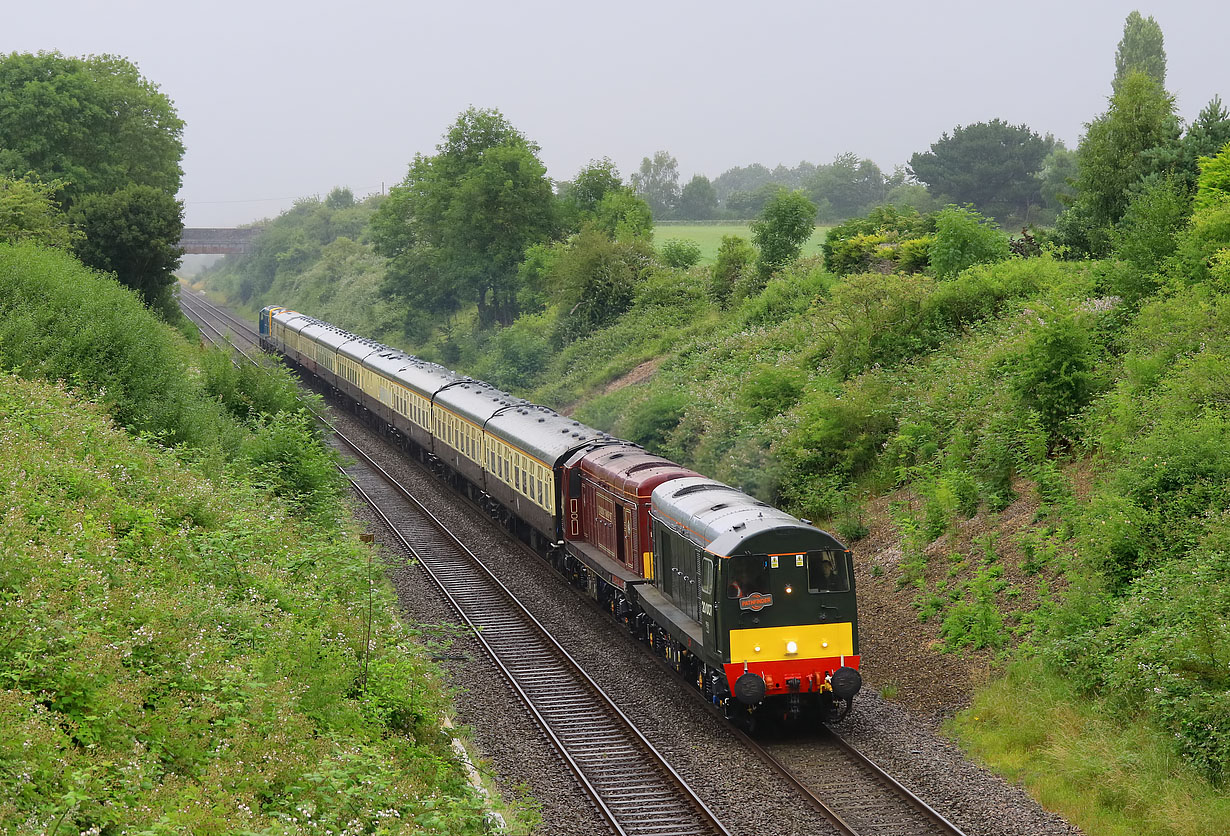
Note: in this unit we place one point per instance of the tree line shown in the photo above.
(1006, 171)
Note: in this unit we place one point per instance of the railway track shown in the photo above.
(219, 325)
(632, 785)
(599, 744)
(853, 792)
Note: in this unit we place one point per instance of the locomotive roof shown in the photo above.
(294, 320)
(631, 468)
(474, 400)
(726, 521)
(542, 432)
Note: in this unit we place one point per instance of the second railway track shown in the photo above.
(601, 746)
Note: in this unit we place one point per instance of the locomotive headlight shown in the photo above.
(789, 589)
(792, 648)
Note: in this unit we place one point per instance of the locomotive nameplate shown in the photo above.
(756, 602)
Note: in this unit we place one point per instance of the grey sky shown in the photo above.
(289, 99)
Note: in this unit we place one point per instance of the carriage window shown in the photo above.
(827, 572)
(706, 576)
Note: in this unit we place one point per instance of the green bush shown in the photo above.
(770, 390)
(975, 622)
(1055, 372)
(652, 420)
(62, 321)
(887, 237)
(182, 655)
(964, 238)
(680, 254)
(735, 257)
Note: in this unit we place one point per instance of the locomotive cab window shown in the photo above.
(827, 572)
(745, 575)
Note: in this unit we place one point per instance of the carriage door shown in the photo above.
(631, 557)
(617, 543)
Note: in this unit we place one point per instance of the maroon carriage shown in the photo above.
(606, 509)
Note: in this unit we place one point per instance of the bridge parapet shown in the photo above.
(214, 240)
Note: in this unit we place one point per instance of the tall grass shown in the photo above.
(1106, 777)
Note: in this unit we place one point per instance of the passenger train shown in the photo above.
(755, 606)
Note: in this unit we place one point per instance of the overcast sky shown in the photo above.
(284, 100)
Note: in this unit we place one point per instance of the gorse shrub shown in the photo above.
(888, 238)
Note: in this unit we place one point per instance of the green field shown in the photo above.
(709, 236)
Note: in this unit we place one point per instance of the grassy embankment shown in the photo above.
(184, 636)
(709, 236)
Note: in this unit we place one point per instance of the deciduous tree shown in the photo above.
(1118, 150)
(133, 232)
(786, 223)
(459, 224)
(1141, 49)
(657, 182)
(29, 212)
(698, 201)
(848, 186)
(94, 123)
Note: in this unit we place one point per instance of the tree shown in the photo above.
(848, 186)
(993, 165)
(785, 224)
(1205, 137)
(1056, 178)
(579, 198)
(458, 226)
(698, 201)
(657, 182)
(623, 216)
(29, 212)
(594, 279)
(134, 233)
(1140, 50)
(1119, 149)
(95, 123)
(750, 204)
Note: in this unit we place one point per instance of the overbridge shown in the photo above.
(211, 240)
